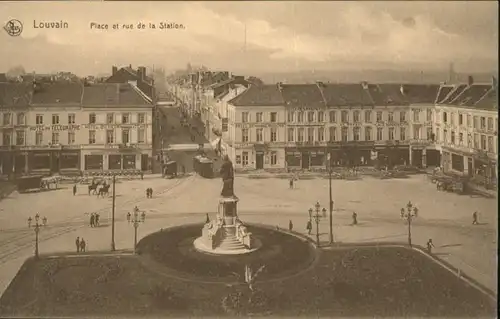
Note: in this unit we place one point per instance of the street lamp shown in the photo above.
(408, 214)
(330, 171)
(136, 220)
(317, 218)
(36, 227)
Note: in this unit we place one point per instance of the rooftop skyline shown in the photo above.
(280, 36)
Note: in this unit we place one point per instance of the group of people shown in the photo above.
(149, 192)
(94, 220)
(80, 245)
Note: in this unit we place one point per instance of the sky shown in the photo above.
(272, 36)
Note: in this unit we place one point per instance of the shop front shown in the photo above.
(350, 153)
(393, 155)
(305, 157)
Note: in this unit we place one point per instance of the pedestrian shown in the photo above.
(291, 183)
(474, 219)
(92, 220)
(354, 218)
(44, 221)
(147, 192)
(150, 193)
(290, 225)
(82, 245)
(309, 227)
(74, 190)
(430, 245)
(207, 219)
(142, 175)
(128, 216)
(77, 242)
(183, 169)
(96, 221)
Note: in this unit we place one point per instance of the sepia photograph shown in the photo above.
(184, 159)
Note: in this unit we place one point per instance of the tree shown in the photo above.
(255, 80)
(15, 71)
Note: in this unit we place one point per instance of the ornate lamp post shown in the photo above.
(36, 227)
(408, 214)
(317, 218)
(136, 220)
(330, 171)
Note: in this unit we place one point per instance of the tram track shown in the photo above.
(19, 243)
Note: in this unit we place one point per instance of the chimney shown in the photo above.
(280, 85)
(114, 69)
(141, 73)
(470, 80)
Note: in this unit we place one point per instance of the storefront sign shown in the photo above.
(84, 126)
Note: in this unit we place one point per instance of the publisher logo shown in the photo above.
(14, 27)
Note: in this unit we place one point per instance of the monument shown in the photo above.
(226, 234)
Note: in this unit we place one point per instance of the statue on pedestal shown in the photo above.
(227, 175)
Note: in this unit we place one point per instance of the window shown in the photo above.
(110, 118)
(437, 135)
(244, 117)
(310, 116)
(39, 138)
(71, 118)
(110, 137)
(461, 138)
(141, 118)
(445, 136)
(291, 132)
(429, 115)
(39, 119)
(483, 123)
(452, 118)
(429, 133)
(391, 117)
(469, 120)
(321, 134)
(20, 138)
(259, 134)
(344, 117)
(274, 134)
(244, 158)
(490, 124)
(55, 138)
(368, 116)
(445, 117)
(476, 141)
(476, 120)
(391, 133)
(356, 133)
(380, 134)
(91, 137)
(368, 133)
(244, 135)
(7, 138)
(310, 134)
(258, 117)
(21, 119)
(274, 158)
(402, 133)
(332, 133)
(416, 115)
(321, 116)
(125, 136)
(416, 133)
(356, 117)
(291, 116)
(300, 135)
(490, 144)
(344, 134)
(300, 117)
(71, 137)
(274, 117)
(483, 142)
(125, 118)
(55, 119)
(452, 137)
(402, 116)
(141, 135)
(460, 119)
(7, 119)
(332, 116)
(469, 141)
(379, 116)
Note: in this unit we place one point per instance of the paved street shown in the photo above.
(444, 217)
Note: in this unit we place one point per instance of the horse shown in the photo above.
(104, 190)
(93, 188)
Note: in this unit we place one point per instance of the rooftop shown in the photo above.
(263, 95)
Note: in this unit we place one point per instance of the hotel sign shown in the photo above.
(76, 127)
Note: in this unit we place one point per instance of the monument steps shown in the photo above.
(230, 242)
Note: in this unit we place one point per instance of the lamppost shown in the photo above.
(317, 218)
(136, 220)
(408, 214)
(330, 171)
(36, 227)
(113, 216)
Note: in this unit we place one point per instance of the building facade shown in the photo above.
(69, 128)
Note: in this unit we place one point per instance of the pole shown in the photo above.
(317, 229)
(113, 216)
(135, 235)
(331, 202)
(409, 229)
(36, 240)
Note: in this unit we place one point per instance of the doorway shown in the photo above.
(54, 165)
(470, 169)
(259, 160)
(306, 160)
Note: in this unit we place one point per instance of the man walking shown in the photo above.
(96, 221)
(74, 190)
(309, 227)
(92, 220)
(82, 245)
(291, 183)
(430, 245)
(290, 225)
(354, 218)
(474, 219)
(77, 242)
